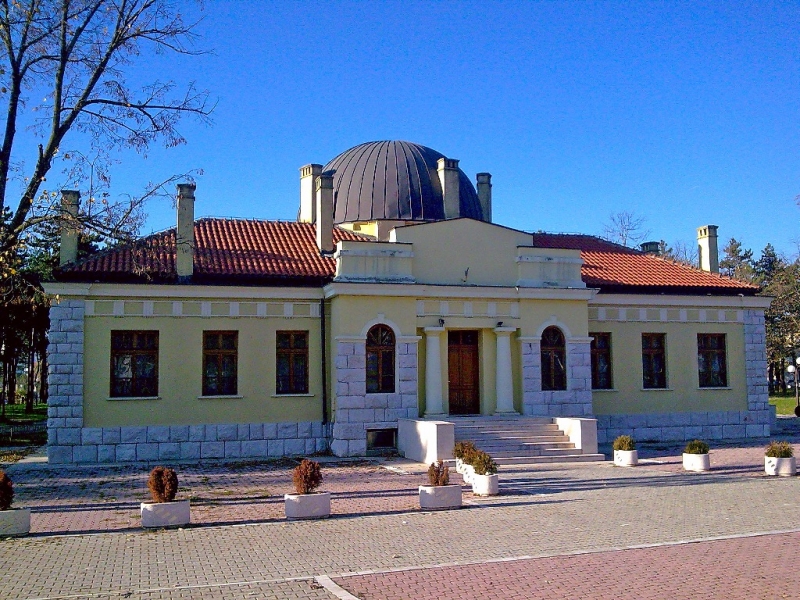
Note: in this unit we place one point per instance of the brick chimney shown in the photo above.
(651, 247)
(485, 195)
(707, 249)
(308, 201)
(68, 250)
(324, 212)
(448, 177)
(184, 238)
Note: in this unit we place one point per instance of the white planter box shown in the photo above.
(467, 473)
(785, 467)
(485, 485)
(165, 514)
(696, 462)
(459, 465)
(626, 458)
(439, 496)
(307, 506)
(15, 521)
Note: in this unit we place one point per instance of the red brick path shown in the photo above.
(763, 567)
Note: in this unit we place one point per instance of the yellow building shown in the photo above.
(394, 297)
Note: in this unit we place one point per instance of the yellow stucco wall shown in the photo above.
(180, 373)
(683, 392)
(488, 251)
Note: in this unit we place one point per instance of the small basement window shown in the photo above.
(381, 441)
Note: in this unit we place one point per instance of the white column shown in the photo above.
(434, 406)
(505, 380)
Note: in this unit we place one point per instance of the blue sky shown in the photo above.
(686, 114)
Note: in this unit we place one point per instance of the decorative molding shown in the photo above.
(662, 301)
(455, 291)
(190, 292)
(638, 314)
(202, 309)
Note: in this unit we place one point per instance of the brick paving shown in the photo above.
(544, 515)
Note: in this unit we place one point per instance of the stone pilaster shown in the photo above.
(355, 411)
(576, 400)
(434, 402)
(504, 378)
(65, 381)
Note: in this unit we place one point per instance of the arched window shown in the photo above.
(380, 360)
(554, 360)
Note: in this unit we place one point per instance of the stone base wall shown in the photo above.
(715, 425)
(356, 411)
(575, 401)
(189, 442)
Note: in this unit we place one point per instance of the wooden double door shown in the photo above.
(463, 372)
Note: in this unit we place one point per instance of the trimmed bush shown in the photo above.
(696, 447)
(624, 442)
(307, 476)
(779, 450)
(464, 451)
(438, 474)
(483, 463)
(163, 484)
(6, 491)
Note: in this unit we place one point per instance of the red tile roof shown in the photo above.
(615, 268)
(274, 252)
(227, 250)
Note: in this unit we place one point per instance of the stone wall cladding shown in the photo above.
(713, 425)
(356, 411)
(194, 442)
(69, 442)
(576, 401)
(65, 381)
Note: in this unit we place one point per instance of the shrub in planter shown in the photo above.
(438, 474)
(463, 452)
(625, 454)
(12, 521)
(439, 494)
(307, 476)
(306, 503)
(164, 511)
(695, 456)
(485, 480)
(779, 459)
(163, 484)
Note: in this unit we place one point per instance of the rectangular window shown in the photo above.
(291, 362)
(711, 363)
(220, 356)
(601, 361)
(654, 361)
(134, 364)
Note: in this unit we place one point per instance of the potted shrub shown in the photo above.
(779, 459)
(625, 454)
(164, 510)
(485, 480)
(463, 452)
(13, 521)
(306, 503)
(439, 493)
(695, 456)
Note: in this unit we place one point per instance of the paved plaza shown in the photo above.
(556, 531)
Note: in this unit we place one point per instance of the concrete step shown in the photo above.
(534, 460)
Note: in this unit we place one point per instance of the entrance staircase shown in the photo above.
(519, 440)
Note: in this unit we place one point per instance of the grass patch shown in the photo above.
(15, 413)
(784, 403)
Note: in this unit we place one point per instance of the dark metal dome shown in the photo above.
(394, 180)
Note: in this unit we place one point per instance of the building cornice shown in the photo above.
(456, 291)
(665, 301)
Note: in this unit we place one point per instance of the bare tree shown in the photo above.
(626, 228)
(74, 54)
(680, 251)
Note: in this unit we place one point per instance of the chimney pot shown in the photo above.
(184, 236)
(485, 195)
(308, 201)
(707, 248)
(324, 212)
(651, 248)
(448, 171)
